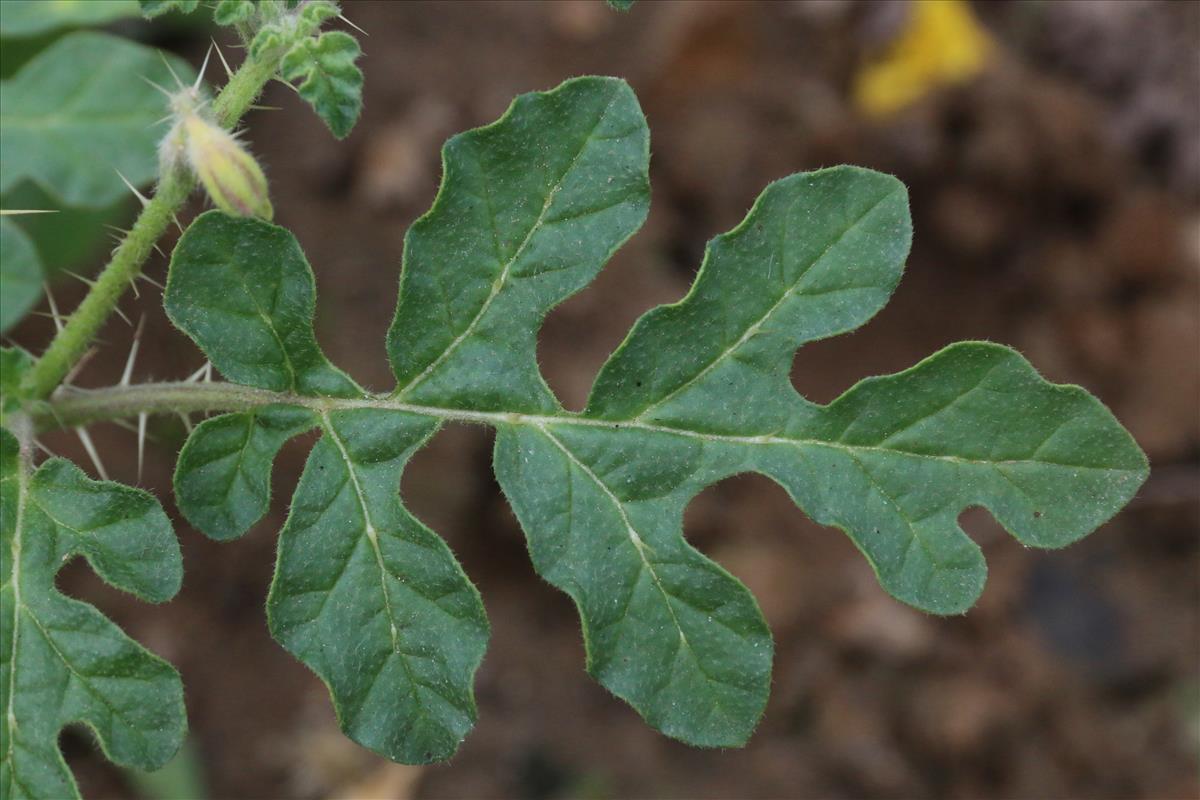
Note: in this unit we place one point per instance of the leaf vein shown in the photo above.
(499, 283)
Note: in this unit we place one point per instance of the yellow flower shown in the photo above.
(941, 44)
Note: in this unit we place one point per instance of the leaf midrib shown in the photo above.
(10, 720)
(370, 530)
(174, 397)
(372, 538)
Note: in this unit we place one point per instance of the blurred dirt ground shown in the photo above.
(1056, 202)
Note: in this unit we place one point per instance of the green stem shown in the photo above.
(127, 261)
(244, 87)
(87, 406)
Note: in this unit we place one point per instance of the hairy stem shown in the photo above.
(127, 261)
(85, 406)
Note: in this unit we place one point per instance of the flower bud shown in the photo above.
(228, 172)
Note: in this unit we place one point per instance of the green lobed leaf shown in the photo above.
(371, 599)
(329, 80)
(279, 32)
(233, 12)
(20, 274)
(33, 17)
(621, 5)
(530, 209)
(156, 8)
(247, 301)
(61, 660)
(665, 627)
(79, 112)
(315, 13)
(364, 594)
(896, 459)
(819, 254)
(223, 476)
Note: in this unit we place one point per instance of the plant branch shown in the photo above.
(127, 261)
(81, 407)
(84, 406)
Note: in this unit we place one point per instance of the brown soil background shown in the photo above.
(1056, 203)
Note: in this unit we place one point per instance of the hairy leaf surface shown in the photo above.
(80, 111)
(373, 600)
(223, 476)
(530, 209)
(248, 302)
(61, 660)
(666, 628)
(819, 254)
